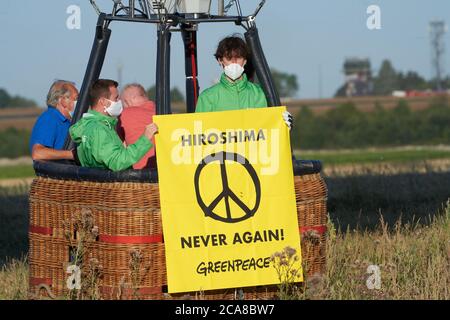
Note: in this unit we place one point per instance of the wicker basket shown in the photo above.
(118, 226)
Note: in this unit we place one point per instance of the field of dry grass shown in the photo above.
(413, 262)
(14, 280)
(397, 221)
(19, 118)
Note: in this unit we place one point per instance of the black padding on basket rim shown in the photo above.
(67, 170)
(305, 167)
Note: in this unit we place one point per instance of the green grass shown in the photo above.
(16, 172)
(373, 156)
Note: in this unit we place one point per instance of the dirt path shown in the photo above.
(388, 168)
(5, 162)
(16, 182)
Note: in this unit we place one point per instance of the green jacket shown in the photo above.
(226, 95)
(99, 146)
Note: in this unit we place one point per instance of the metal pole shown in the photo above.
(163, 71)
(191, 70)
(131, 4)
(144, 7)
(221, 8)
(263, 73)
(262, 68)
(94, 67)
(238, 6)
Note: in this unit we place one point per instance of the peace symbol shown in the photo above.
(227, 194)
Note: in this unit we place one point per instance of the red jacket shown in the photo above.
(133, 121)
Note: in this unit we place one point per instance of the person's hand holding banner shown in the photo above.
(288, 119)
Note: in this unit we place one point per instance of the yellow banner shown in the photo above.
(227, 198)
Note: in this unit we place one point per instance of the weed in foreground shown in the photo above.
(286, 264)
(89, 270)
(14, 280)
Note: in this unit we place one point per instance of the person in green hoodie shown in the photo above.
(98, 145)
(234, 91)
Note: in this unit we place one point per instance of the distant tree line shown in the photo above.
(175, 94)
(14, 143)
(285, 83)
(388, 80)
(348, 127)
(342, 127)
(8, 101)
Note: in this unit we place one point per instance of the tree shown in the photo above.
(8, 101)
(411, 81)
(4, 98)
(387, 79)
(445, 83)
(175, 94)
(151, 93)
(341, 92)
(285, 83)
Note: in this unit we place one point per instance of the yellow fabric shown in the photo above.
(208, 233)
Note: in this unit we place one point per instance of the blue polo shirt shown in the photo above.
(50, 129)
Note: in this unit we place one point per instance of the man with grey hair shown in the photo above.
(137, 115)
(52, 127)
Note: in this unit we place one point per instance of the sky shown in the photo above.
(310, 39)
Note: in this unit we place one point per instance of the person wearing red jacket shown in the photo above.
(137, 114)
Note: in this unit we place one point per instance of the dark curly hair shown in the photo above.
(232, 47)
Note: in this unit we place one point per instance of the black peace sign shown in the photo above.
(227, 193)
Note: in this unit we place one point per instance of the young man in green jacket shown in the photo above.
(234, 91)
(99, 146)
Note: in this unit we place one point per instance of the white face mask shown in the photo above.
(74, 106)
(115, 109)
(233, 71)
